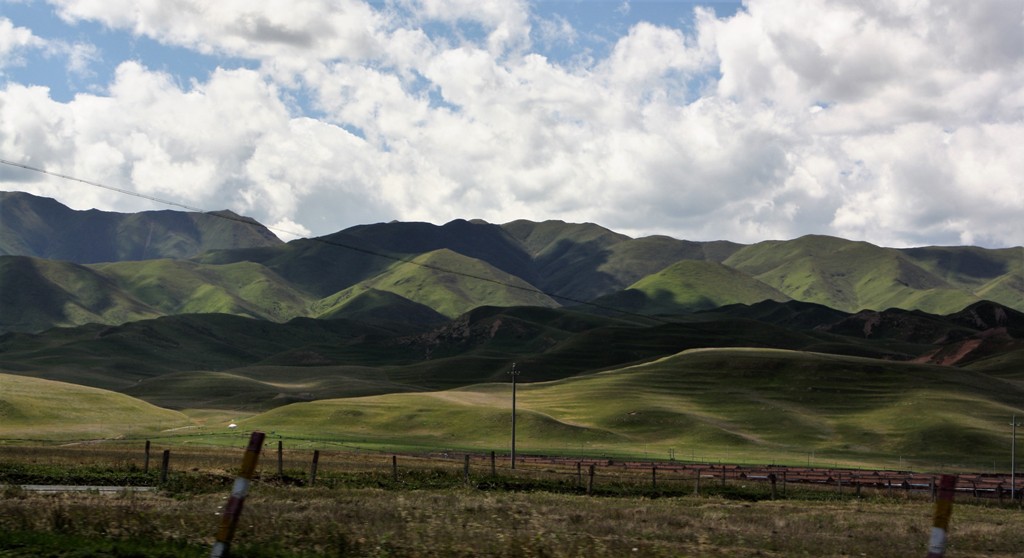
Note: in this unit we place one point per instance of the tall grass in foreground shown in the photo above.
(298, 522)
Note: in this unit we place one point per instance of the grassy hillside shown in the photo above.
(321, 266)
(584, 261)
(969, 267)
(474, 239)
(760, 404)
(848, 276)
(184, 287)
(37, 294)
(42, 227)
(362, 303)
(477, 347)
(32, 408)
(117, 357)
(689, 286)
(426, 282)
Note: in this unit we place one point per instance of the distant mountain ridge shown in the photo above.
(44, 228)
(166, 263)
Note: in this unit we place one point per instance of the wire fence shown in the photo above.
(293, 462)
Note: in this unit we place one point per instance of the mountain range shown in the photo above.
(60, 267)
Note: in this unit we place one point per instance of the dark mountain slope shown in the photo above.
(42, 227)
(37, 294)
(585, 261)
(482, 241)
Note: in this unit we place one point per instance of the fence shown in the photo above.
(350, 467)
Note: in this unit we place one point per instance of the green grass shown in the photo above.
(451, 295)
(750, 404)
(850, 276)
(32, 408)
(184, 287)
(689, 286)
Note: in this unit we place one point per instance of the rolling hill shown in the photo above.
(260, 364)
(36, 409)
(768, 403)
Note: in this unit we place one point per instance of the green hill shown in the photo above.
(321, 266)
(184, 287)
(426, 281)
(366, 304)
(848, 276)
(32, 408)
(689, 286)
(36, 294)
(117, 357)
(585, 261)
(477, 240)
(761, 404)
(42, 227)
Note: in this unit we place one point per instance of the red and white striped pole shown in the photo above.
(940, 523)
(233, 509)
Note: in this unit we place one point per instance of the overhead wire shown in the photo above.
(338, 244)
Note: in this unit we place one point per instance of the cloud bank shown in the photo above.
(899, 123)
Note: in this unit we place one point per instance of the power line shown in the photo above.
(337, 244)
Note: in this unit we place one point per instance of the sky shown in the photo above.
(897, 122)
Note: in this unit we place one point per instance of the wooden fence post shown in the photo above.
(696, 486)
(233, 509)
(771, 479)
(280, 459)
(312, 468)
(394, 468)
(465, 468)
(145, 462)
(590, 483)
(784, 484)
(494, 467)
(654, 477)
(579, 474)
(165, 465)
(940, 521)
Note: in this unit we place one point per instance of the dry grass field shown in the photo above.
(289, 521)
(358, 507)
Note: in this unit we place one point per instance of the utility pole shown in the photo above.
(514, 372)
(1013, 460)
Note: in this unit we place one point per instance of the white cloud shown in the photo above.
(14, 41)
(316, 29)
(893, 122)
